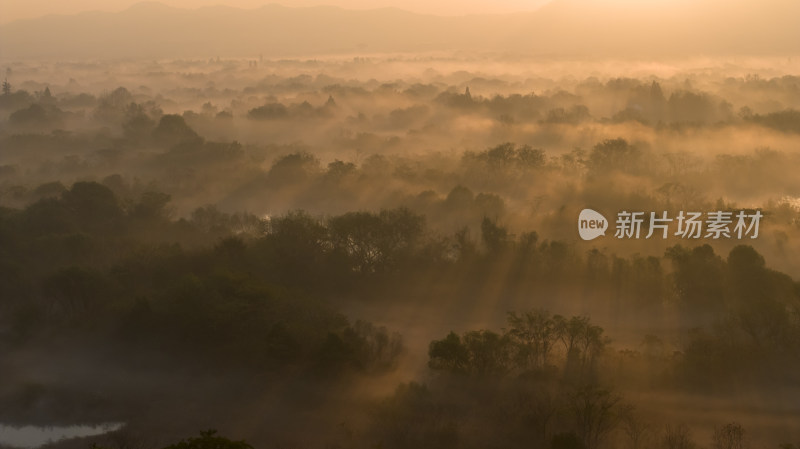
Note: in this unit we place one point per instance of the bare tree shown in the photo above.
(596, 413)
(536, 332)
(677, 437)
(636, 428)
(729, 436)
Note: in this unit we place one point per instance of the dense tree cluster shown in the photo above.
(527, 347)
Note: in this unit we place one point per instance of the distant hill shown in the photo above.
(153, 30)
(563, 27)
(664, 28)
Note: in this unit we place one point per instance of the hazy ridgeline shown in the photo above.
(267, 247)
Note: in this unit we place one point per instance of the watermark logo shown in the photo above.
(686, 225)
(591, 224)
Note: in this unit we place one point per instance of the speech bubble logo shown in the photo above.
(591, 224)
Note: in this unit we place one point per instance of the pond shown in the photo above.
(35, 436)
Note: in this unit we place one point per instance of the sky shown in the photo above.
(11, 10)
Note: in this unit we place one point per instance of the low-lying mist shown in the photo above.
(384, 250)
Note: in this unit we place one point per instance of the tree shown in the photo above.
(478, 353)
(729, 436)
(698, 276)
(677, 437)
(94, 205)
(489, 352)
(46, 96)
(636, 429)
(152, 206)
(209, 440)
(508, 155)
(292, 169)
(535, 407)
(137, 125)
(494, 236)
(596, 413)
(172, 129)
(413, 418)
(614, 154)
(748, 274)
(338, 170)
(583, 342)
(785, 121)
(37, 115)
(6, 87)
(448, 354)
(111, 107)
(567, 440)
(535, 332)
(269, 111)
(376, 349)
(299, 236)
(567, 332)
(73, 290)
(591, 343)
(464, 245)
(375, 242)
(357, 235)
(460, 198)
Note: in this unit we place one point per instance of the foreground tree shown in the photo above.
(729, 436)
(596, 412)
(677, 437)
(209, 440)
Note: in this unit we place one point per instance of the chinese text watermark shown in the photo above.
(686, 225)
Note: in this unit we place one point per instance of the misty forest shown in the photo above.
(381, 251)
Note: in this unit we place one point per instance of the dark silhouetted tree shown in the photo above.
(677, 437)
(209, 440)
(535, 332)
(494, 236)
(172, 130)
(596, 412)
(729, 436)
